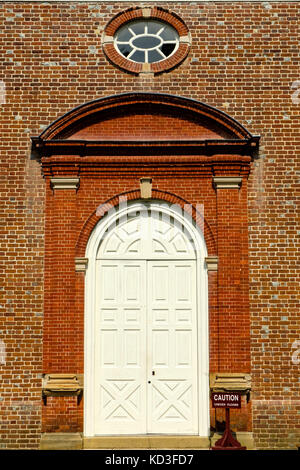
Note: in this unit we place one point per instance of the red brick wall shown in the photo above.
(243, 60)
(145, 126)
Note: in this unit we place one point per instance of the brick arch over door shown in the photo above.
(152, 116)
(162, 196)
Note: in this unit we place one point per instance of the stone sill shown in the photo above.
(75, 441)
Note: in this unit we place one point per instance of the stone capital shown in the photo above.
(227, 182)
(64, 183)
(81, 264)
(211, 263)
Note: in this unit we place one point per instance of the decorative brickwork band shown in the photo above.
(227, 182)
(211, 263)
(64, 183)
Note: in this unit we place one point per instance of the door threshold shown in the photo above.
(147, 442)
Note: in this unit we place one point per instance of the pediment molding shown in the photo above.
(211, 122)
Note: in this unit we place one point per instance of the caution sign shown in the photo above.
(226, 400)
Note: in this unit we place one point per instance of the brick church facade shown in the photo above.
(149, 236)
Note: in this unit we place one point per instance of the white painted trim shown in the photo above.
(202, 288)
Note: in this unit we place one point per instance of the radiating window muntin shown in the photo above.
(146, 41)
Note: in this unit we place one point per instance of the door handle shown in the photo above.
(153, 372)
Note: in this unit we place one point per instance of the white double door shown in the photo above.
(146, 369)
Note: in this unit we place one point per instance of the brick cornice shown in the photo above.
(198, 148)
(64, 165)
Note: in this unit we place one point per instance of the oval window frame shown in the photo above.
(155, 13)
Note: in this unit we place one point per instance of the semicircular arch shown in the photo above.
(163, 196)
(207, 121)
(147, 230)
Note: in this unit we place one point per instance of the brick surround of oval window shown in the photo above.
(154, 13)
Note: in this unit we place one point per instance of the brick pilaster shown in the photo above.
(233, 324)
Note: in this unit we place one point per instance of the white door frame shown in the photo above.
(95, 239)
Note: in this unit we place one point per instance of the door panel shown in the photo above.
(120, 348)
(146, 324)
(172, 348)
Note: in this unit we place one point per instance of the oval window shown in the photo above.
(146, 41)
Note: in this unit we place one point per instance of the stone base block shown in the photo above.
(146, 442)
(61, 441)
(75, 441)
